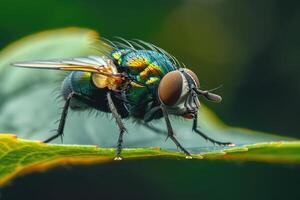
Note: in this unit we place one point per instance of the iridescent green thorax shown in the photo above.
(147, 68)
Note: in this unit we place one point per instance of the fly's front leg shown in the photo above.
(171, 133)
(121, 126)
(195, 128)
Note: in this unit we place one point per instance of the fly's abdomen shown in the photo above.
(80, 83)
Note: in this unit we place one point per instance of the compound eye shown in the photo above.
(194, 76)
(170, 88)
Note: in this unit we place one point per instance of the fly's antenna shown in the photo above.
(208, 95)
(184, 66)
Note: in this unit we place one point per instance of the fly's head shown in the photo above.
(178, 91)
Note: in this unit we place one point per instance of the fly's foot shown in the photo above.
(215, 142)
(228, 144)
(118, 158)
(188, 157)
(231, 145)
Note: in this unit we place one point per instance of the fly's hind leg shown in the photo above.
(62, 121)
(171, 133)
(195, 128)
(121, 126)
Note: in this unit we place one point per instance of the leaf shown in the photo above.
(19, 156)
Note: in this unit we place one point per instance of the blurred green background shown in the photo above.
(251, 47)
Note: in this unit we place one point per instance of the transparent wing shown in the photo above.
(96, 64)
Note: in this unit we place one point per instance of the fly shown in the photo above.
(135, 79)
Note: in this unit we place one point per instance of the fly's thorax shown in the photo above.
(118, 54)
(176, 93)
(138, 60)
(145, 66)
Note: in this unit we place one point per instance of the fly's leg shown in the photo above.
(64, 114)
(171, 133)
(195, 128)
(120, 124)
(62, 121)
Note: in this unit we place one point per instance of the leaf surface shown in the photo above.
(19, 156)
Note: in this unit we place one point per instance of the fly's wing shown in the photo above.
(94, 64)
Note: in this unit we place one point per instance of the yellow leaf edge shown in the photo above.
(87, 155)
(91, 155)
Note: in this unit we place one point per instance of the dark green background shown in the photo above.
(251, 47)
(161, 179)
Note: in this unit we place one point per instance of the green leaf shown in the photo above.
(19, 156)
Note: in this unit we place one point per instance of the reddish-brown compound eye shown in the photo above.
(194, 76)
(170, 88)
